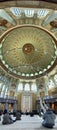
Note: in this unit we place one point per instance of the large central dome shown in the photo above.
(27, 51)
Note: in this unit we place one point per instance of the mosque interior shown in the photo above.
(28, 54)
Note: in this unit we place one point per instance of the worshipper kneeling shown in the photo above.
(31, 114)
(18, 116)
(49, 119)
(7, 118)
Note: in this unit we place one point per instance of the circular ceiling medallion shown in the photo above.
(28, 48)
(28, 51)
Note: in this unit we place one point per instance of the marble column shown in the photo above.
(46, 86)
(6, 105)
(38, 90)
(15, 106)
(1, 88)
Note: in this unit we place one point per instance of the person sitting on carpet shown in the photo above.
(7, 118)
(49, 119)
(18, 116)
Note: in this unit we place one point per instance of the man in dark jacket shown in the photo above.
(49, 119)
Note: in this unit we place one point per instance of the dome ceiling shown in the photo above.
(28, 42)
(27, 51)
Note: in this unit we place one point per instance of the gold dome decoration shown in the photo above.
(27, 51)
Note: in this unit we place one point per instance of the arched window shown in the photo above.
(42, 13)
(3, 91)
(20, 87)
(34, 87)
(29, 12)
(27, 87)
(6, 91)
(3, 88)
(55, 78)
(16, 11)
(0, 85)
(51, 84)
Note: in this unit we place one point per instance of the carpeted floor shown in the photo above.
(27, 123)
